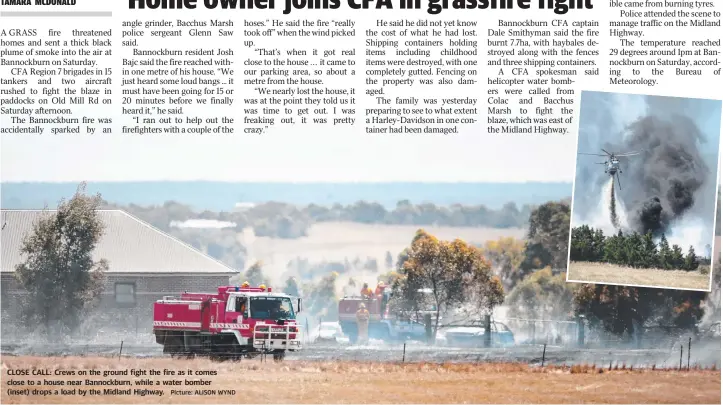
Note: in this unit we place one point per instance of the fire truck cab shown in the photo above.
(232, 322)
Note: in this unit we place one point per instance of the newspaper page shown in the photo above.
(360, 201)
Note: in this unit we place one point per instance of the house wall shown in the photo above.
(110, 314)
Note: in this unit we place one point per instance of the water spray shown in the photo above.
(612, 206)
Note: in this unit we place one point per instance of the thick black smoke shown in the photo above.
(662, 183)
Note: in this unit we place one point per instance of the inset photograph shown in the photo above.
(644, 195)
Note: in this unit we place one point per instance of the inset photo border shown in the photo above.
(644, 204)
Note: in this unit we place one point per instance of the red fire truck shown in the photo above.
(231, 323)
(385, 324)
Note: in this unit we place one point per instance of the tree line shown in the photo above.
(527, 275)
(289, 221)
(632, 250)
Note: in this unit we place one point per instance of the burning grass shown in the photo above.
(363, 382)
(604, 273)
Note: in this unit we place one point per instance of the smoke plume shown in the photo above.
(669, 187)
(662, 183)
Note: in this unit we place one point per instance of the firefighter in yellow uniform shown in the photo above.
(366, 292)
(362, 324)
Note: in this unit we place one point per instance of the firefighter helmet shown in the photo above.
(362, 306)
(262, 286)
(245, 284)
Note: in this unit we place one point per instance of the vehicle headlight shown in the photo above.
(259, 342)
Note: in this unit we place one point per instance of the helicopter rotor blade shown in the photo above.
(592, 154)
(629, 154)
(609, 154)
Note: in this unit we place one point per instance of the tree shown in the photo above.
(691, 260)
(621, 310)
(292, 287)
(582, 244)
(456, 272)
(598, 245)
(371, 264)
(390, 278)
(677, 260)
(613, 248)
(664, 254)
(255, 274)
(650, 251)
(321, 298)
(388, 260)
(59, 273)
(506, 255)
(615, 309)
(542, 295)
(548, 236)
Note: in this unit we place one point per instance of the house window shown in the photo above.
(125, 293)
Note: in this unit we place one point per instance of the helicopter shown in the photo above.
(612, 165)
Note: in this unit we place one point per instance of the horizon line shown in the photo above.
(287, 181)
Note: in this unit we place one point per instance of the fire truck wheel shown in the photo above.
(279, 355)
(172, 344)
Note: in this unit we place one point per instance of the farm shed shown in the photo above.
(144, 265)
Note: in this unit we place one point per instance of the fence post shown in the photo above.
(544, 349)
(428, 328)
(680, 366)
(404, 352)
(488, 332)
(121, 350)
(690, 340)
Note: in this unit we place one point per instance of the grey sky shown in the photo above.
(292, 157)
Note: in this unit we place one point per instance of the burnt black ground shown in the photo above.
(706, 354)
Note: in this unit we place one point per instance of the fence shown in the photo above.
(688, 355)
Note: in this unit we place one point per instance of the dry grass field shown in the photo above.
(362, 383)
(603, 273)
(337, 241)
